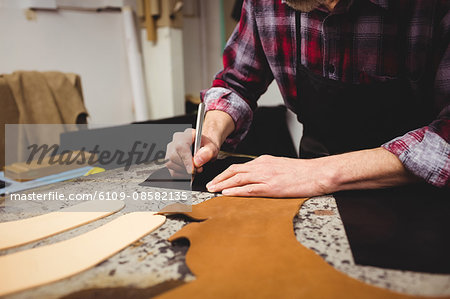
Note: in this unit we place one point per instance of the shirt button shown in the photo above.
(331, 68)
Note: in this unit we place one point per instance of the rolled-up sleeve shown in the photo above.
(219, 98)
(244, 77)
(426, 151)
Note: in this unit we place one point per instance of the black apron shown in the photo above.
(341, 117)
(388, 228)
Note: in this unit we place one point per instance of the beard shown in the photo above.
(305, 5)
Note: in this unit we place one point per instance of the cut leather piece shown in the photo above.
(38, 266)
(24, 231)
(246, 248)
(162, 178)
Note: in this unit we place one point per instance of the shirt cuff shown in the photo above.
(425, 154)
(222, 99)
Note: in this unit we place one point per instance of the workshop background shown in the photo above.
(90, 38)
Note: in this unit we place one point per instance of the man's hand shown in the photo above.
(218, 125)
(180, 157)
(271, 177)
(284, 177)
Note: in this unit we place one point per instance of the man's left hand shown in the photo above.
(270, 176)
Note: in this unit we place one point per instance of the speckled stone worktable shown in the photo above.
(153, 264)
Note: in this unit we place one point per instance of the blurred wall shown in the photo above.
(88, 43)
(92, 45)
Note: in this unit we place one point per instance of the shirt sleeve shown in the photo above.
(426, 151)
(244, 77)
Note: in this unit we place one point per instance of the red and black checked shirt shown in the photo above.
(356, 43)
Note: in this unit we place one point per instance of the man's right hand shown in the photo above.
(217, 126)
(180, 157)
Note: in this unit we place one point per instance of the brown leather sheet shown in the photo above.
(246, 248)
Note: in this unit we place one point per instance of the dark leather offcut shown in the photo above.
(404, 228)
(163, 179)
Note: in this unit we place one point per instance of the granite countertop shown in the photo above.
(152, 261)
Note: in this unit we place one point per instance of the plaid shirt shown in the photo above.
(356, 43)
